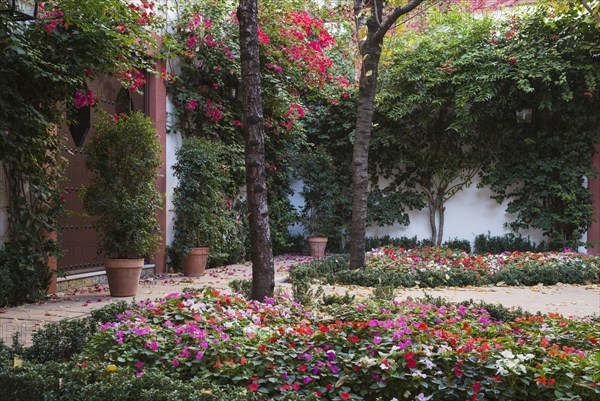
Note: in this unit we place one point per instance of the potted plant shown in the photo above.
(204, 214)
(123, 159)
(315, 170)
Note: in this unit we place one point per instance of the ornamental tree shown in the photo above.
(372, 24)
(296, 63)
(425, 144)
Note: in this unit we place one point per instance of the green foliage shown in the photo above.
(384, 292)
(292, 75)
(71, 382)
(459, 244)
(242, 287)
(329, 132)
(402, 242)
(44, 63)
(543, 64)
(507, 243)
(425, 145)
(123, 157)
(62, 340)
(320, 191)
(205, 200)
(448, 105)
(335, 299)
(23, 275)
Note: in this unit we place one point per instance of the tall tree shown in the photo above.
(372, 25)
(263, 270)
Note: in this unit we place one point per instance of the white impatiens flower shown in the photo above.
(512, 363)
(421, 397)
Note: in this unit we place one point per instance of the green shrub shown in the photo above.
(507, 243)
(204, 204)
(70, 382)
(123, 157)
(23, 275)
(242, 287)
(402, 242)
(333, 299)
(59, 341)
(459, 244)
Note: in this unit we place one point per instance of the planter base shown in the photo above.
(123, 276)
(316, 246)
(194, 262)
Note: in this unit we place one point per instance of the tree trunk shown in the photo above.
(360, 159)
(263, 270)
(440, 231)
(432, 221)
(370, 51)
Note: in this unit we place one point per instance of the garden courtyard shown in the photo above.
(444, 153)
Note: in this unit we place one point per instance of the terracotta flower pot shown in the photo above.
(194, 262)
(316, 246)
(123, 276)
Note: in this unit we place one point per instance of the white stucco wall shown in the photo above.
(468, 214)
(173, 143)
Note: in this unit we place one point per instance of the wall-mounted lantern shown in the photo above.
(524, 116)
(19, 10)
(233, 86)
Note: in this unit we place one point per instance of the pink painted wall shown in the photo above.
(157, 111)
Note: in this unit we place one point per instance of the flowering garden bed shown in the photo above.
(363, 350)
(372, 350)
(442, 266)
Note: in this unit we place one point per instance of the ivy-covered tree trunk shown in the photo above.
(263, 270)
(370, 50)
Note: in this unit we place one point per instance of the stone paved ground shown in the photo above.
(565, 299)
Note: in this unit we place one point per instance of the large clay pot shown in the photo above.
(194, 262)
(316, 246)
(123, 276)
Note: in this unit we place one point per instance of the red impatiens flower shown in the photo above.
(302, 368)
(353, 339)
(345, 396)
(253, 386)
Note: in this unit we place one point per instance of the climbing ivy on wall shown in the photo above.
(466, 97)
(45, 66)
